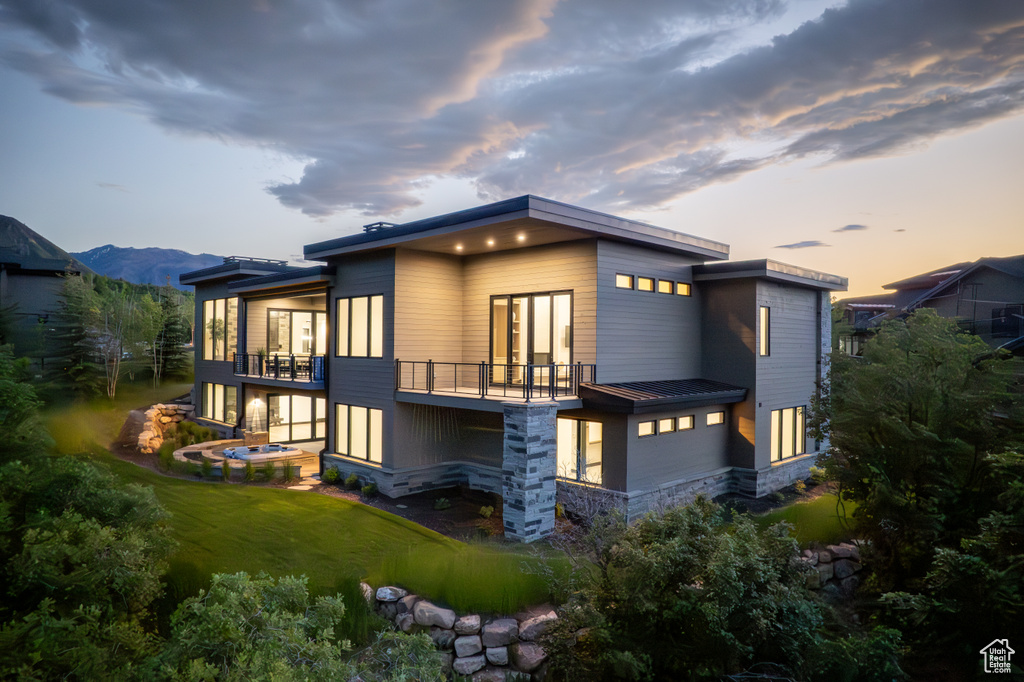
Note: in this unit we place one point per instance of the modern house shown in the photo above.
(518, 345)
(986, 297)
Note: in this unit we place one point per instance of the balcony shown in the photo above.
(493, 381)
(295, 368)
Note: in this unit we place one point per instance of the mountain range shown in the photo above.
(150, 265)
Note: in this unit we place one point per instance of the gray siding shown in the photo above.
(787, 377)
(977, 296)
(663, 458)
(428, 307)
(366, 382)
(558, 267)
(645, 336)
(729, 342)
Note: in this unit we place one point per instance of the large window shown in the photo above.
(358, 432)
(361, 327)
(296, 417)
(580, 449)
(298, 332)
(788, 433)
(766, 327)
(220, 403)
(220, 328)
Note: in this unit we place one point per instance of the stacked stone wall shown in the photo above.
(160, 418)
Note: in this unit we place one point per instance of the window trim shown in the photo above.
(765, 332)
(374, 326)
(210, 345)
(777, 440)
(374, 435)
(630, 278)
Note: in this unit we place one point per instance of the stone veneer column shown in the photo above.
(528, 470)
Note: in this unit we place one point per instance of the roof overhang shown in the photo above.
(642, 397)
(233, 270)
(516, 223)
(770, 270)
(298, 281)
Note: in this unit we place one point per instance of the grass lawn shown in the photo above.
(813, 520)
(334, 542)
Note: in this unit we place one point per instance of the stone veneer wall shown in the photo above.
(528, 470)
(417, 479)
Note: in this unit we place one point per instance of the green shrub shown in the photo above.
(352, 482)
(778, 496)
(225, 471)
(442, 503)
(369, 490)
(331, 475)
(165, 455)
(800, 486)
(189, 433)
(206, 468)
(268, 471)
(250, 471)
(486, 511)
(286, 472)
(817, 475)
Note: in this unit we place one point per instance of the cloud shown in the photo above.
(110, 185)
(851, 228)
(802, 245)
(900, 230)
(611, 105)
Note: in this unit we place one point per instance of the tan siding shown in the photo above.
(559, 267)
(428, 307)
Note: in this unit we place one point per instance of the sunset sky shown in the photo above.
(871, 139)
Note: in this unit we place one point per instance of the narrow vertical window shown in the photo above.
(765, 348)
(208, 330)
(341, 429)
(343, 331)
(377, 326)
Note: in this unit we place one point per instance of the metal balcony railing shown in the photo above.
(285, 367)
(490, 380)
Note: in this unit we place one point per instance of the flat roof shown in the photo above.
(240, 267)
(769, 269)
(317, 274)
(514, 223)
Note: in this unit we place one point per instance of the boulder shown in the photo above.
(367, 593)
(490, 674)
(531, 629)
(469, 664)
(527, 656)
(849, 585)
(405, 622)
(839, 551)
(447, 658)
(500, 632)
(164, 419)
(824, 556)
(390, 593)
(406, 603)
(854, 550)
(844, 568)
(517, 676)
(825, 572)
(813, 581)
(468, 645)
(468, 625)
(387, 609)
(443, 639)
(428, 614)
(498, 655)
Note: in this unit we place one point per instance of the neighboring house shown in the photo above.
(986, 298)
(32, 271)
(508, 345)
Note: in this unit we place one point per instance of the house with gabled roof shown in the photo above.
(523, 347)
(986, 297)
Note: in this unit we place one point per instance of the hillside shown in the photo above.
(21, 244)
(145, 266)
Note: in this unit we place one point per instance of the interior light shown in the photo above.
(256, 402)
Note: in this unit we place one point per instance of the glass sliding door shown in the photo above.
(296, 418)
(532, 329)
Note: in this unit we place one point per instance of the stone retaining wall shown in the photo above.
(500, 649)
(836, 568)
(159, 419)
